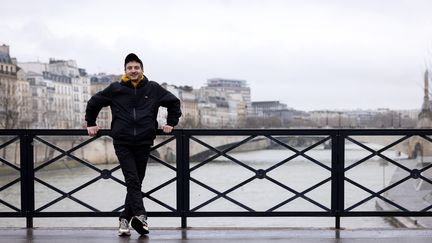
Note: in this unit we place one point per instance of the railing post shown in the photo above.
(186, 181)
(334, 181)
(179, 166)
(182, 146)
(338, 155)
(27, 177)
(340, 177)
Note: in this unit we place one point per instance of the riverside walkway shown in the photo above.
(238, 235)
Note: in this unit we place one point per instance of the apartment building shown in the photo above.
(60, 91)
(227, 100)
(189, 107)
(99, 82)
(14, 92)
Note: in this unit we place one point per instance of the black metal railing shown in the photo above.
(28, 166)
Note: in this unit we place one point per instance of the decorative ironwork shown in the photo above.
(259, 174)
(183, 169)
(11, 165)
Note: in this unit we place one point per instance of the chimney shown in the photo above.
(4, 48)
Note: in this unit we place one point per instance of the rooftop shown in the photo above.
(5, 58)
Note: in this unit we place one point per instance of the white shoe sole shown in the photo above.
(124, 233)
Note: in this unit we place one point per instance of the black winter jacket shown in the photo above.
(134, 110)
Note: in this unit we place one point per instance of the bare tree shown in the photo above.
(9, 106)
(187, 122)
(9, 113)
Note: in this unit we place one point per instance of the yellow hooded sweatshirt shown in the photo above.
(134, 83)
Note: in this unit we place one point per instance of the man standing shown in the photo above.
(134, 104)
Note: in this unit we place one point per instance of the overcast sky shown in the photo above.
(308, 54)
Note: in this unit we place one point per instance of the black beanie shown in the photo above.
(132, 57)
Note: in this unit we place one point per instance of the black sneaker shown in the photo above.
(139, 223)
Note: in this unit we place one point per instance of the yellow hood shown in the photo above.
(124, 78)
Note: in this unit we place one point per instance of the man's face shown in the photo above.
(133, 70)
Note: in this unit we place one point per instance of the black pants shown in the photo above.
(133, 162)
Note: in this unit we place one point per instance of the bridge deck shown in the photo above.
(217, 235)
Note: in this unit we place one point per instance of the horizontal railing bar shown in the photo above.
(225, 214)
(99, 214)
(190, 214)
(11, 214)
(103, 132)
(309, 214)
(261, 214)
(386, 214)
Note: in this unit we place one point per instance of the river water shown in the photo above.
(221, 174)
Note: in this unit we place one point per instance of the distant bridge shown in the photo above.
(411, 146)
(199, 152)
(202, 146)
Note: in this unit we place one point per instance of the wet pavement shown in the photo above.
(238, 235)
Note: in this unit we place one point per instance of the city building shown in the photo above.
(55, 95)
(263, 108)
(23, 96)
(163, 113)
(14, 92)
(275, 113)
(228, 100)
(42, 114)
(189, 107)
(60, 91)
(80, 85)
(98, 82)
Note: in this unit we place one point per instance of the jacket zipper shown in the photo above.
(134, 114)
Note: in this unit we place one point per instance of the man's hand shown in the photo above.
(92, 131)
(167, 128)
